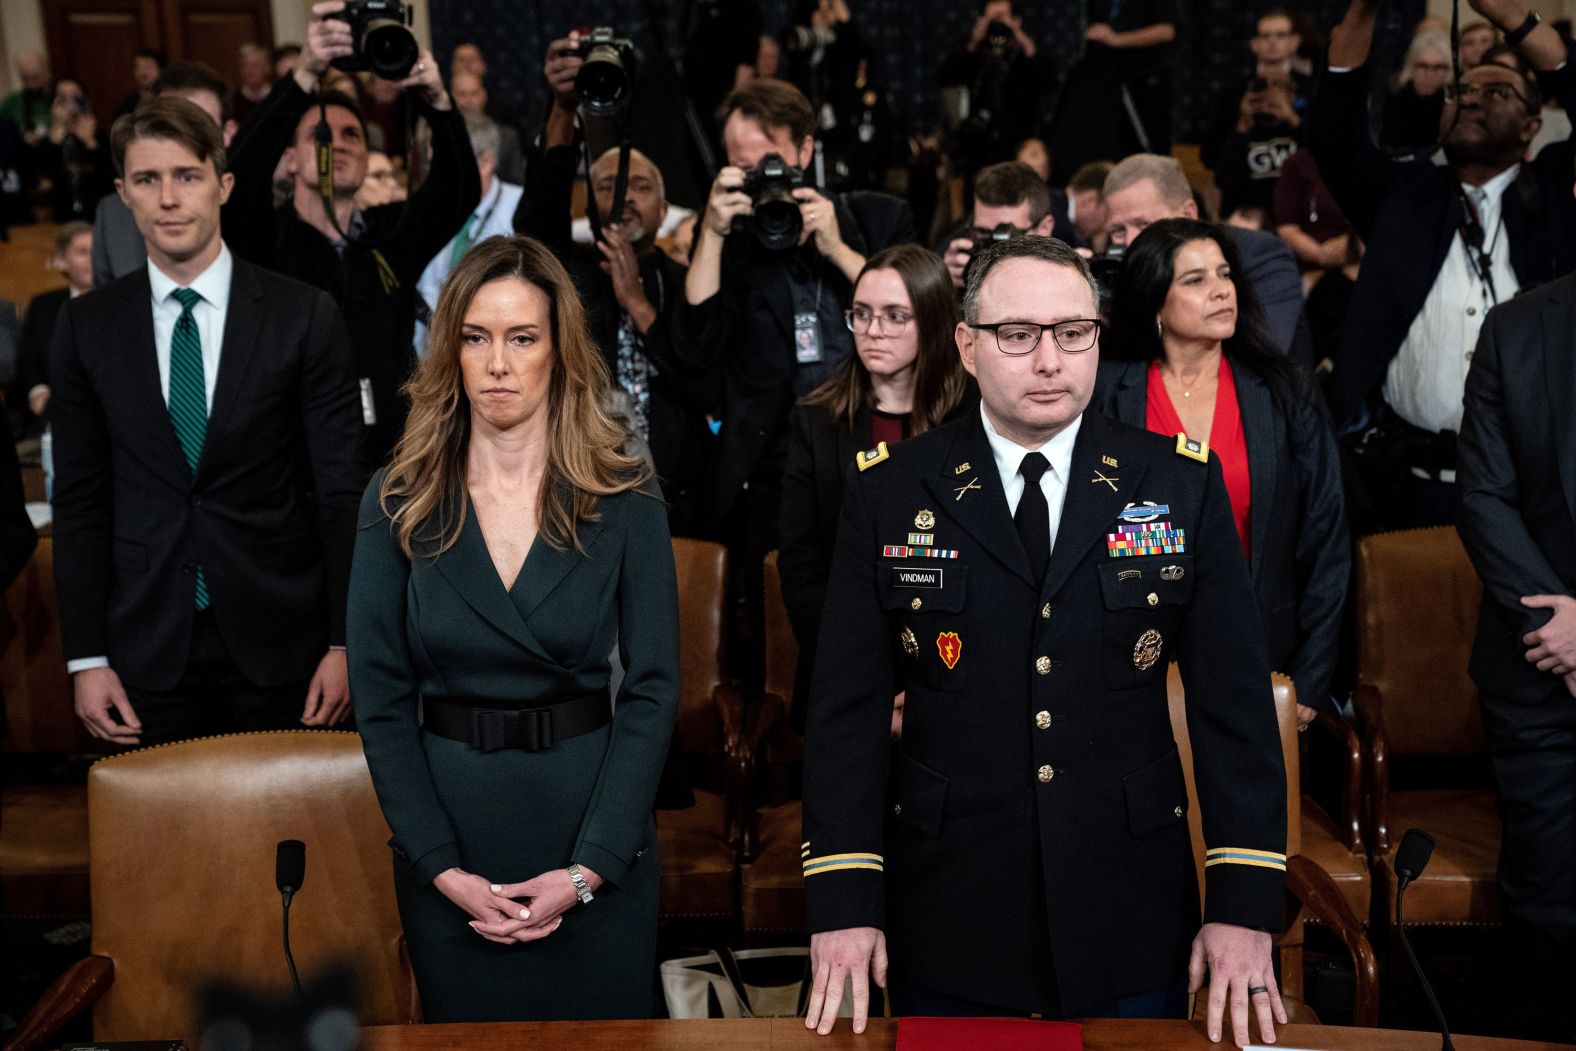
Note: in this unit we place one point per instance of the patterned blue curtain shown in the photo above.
(910, 37)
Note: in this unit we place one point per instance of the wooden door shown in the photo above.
(95, 40)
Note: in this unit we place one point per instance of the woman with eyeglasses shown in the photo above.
(903, 379)
(1189, 354)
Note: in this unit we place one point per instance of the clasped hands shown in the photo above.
(1236, 960)
(514, 913)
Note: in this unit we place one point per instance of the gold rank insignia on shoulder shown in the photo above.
(925, 520)
(1192, 448)
(867, 460)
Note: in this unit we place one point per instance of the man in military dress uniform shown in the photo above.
(1025, 575)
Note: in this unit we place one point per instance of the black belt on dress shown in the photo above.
(533, 729)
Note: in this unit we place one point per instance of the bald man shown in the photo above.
(631, 291)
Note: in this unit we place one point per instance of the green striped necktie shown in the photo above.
(189, 396)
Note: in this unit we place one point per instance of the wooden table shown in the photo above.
(789, 1034)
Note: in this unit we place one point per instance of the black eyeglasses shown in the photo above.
(1017, 338)
(1498, 91)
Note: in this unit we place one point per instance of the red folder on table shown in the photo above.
(987, 1034)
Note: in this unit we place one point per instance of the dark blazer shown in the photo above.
(374, 280)
(747, 327)
(1301, 556)
(269, 513)
(17, 535)
(38, 330)
(1408, 212)
(1517, 478)
(1035, 807)
(820, 449)
(1272, 270)
(681, 445)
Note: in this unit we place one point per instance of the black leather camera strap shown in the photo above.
(532, 729)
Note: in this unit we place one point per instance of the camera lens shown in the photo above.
(389, 48)
(778, 221)
(603, 82)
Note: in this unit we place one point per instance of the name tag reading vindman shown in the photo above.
(904, 577)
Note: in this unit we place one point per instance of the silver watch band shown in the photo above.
(582, 888)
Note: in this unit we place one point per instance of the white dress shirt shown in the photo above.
(1053, 483)
(1427, 380)
(213, 284)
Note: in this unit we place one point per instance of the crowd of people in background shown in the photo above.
(1306, 293)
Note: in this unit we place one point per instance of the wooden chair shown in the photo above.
(43, 826)
(771, 879)
(1310, 891)
(183, 838)
(1335, 842)
(698, 844)
(1414, 698)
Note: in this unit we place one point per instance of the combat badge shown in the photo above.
(1146, 651)
(910, 643)
(925, 520)
(1192, 448)
(950, 647)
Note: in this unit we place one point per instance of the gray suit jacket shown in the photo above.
(117, 244)
(1269, 267)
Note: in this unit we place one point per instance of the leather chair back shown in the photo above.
(782, 651)
(702, 568)
(182, 840)
(1285, 695)
(33, 679)
(1417, 606)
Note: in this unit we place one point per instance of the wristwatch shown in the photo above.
(582, 888)
(1517, 35)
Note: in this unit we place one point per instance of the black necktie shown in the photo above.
(1034, 515)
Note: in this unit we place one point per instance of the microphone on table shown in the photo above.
(1411, 857)
(289, 874)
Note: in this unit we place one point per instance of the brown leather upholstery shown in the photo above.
(1414, 697)
(698, 860)
(771, 883)
(183, 839)
(33, 668)
(43, 828)
(1322, 844)
(1311, 893)
(1459, 884)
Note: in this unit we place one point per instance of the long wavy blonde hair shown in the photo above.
(424, 491)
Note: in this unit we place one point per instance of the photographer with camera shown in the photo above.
(1006, 79)
(630, 288)
(1445, 244)
(1267, 133)
(367, 260)
(1010, 200)
(772, 273)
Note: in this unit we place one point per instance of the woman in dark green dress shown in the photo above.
(500, 558)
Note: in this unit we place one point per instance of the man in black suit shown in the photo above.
(773, 318)
(206, 479)
(1147, 187)
(1444, 245)
(1006, 194)
(1518, 522)
(1025, 574)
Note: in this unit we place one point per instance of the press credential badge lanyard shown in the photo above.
(807, 321)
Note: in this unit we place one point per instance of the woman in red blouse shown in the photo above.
(1190, 354)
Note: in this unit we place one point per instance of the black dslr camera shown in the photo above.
(383, 40)
(1107, 268)
(998, 39)
(777, 220)
(607, 73)
(999, 232)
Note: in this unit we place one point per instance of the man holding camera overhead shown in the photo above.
(769, 279)
(367, 260)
